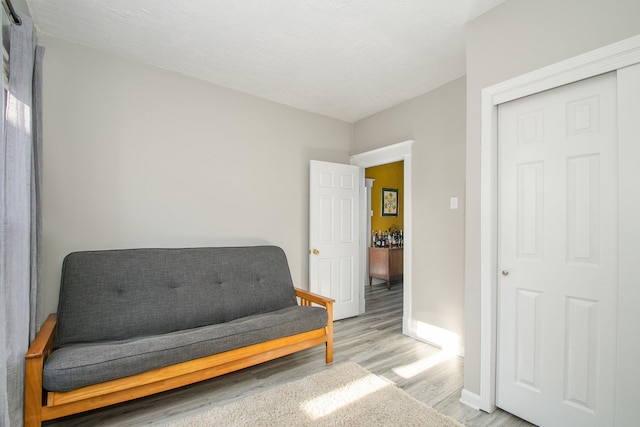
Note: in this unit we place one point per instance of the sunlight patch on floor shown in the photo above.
(422, 365)
(339, 398)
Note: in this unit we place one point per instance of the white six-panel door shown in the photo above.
(334, 221)
(557, 296)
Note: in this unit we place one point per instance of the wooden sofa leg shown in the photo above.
(32, 420)
(329, 354)
(33, 395)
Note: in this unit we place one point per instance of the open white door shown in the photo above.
(334, 237)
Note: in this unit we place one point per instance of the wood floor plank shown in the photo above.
(373, 340)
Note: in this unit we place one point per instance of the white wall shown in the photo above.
(517, 37)
(436, 122)
(136, 156)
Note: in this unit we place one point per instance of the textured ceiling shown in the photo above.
(345, 59)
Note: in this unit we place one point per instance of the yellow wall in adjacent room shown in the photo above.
(386, 176)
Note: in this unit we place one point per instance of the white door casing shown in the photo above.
(613, 57)
(402, 151)
(557, 291)
(619, 56)
(367, 235)
(628, 374)
(334, 235)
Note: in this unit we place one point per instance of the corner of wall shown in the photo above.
(448, 341)
(352, 138)
(470, 399)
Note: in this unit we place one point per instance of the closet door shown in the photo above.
(558, 254)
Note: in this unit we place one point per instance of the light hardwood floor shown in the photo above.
(373, 340)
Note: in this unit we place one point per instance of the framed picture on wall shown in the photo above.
(389, 202)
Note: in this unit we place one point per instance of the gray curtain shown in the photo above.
(20, 182)
(35, 316)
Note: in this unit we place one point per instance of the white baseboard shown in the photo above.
(470, 399)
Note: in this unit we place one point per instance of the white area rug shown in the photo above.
(345, 395)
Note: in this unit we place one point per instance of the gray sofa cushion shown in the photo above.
(79, 365)
(122, 294)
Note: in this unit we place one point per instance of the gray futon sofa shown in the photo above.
(135, 322)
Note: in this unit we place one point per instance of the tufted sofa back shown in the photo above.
(120, 294)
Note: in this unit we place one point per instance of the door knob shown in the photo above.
(315, 252)
(505, 272)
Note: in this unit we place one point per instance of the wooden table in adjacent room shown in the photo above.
(385, 264)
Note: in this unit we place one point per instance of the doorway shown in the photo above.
(385, 186)
(393, 153)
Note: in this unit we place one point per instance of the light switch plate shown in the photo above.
(453, 203)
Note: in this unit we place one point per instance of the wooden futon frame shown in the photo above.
(41, 405)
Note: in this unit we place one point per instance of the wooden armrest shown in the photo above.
(43, 342)
(306, 299)
(38, 351)
(315, 298)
